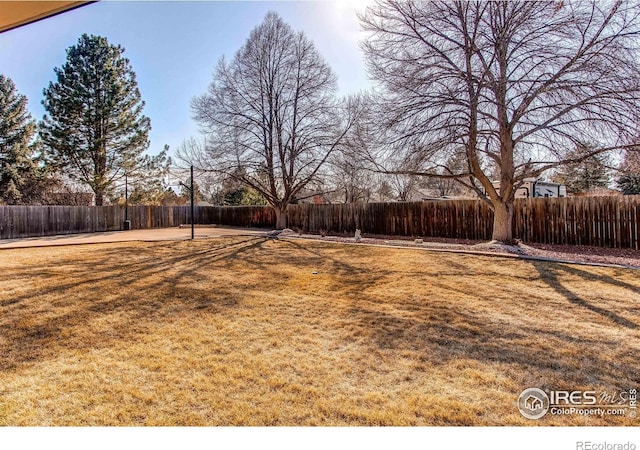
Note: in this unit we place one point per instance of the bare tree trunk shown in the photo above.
(281, 217)
(265, 108)
(99, 195)
(509, 88)
(503, 222)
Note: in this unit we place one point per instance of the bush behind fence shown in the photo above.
(598, 221)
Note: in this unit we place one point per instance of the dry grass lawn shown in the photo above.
(241, 331)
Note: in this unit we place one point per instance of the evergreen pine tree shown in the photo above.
(629, 180)
(588, 173)
(629, 184)
(17, 129)
(94, 129)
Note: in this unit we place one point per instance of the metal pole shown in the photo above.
(126, 198)
(192, 206)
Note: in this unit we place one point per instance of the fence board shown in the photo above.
(601, 221)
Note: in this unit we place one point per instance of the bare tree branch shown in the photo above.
(271, 111)
(511, 87)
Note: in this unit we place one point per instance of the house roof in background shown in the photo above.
(14, 14)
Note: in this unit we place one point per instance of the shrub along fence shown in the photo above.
(598, 221)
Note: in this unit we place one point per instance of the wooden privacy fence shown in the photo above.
(599, 221)
(465, 219)
(28, 221)
(31, 221)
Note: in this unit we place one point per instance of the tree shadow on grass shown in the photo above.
(551, 273)
(123, 266)
(133, 288)
(440, 342)
(105, 286)
(351, 279)
(439, 332)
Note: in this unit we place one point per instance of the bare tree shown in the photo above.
(352, 178)
(403, 185)
(271, 111)
(515, 85)
(351, 182)
(445, 186)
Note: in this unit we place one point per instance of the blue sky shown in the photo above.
(174, 46)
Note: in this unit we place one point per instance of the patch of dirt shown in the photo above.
(572, 253)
